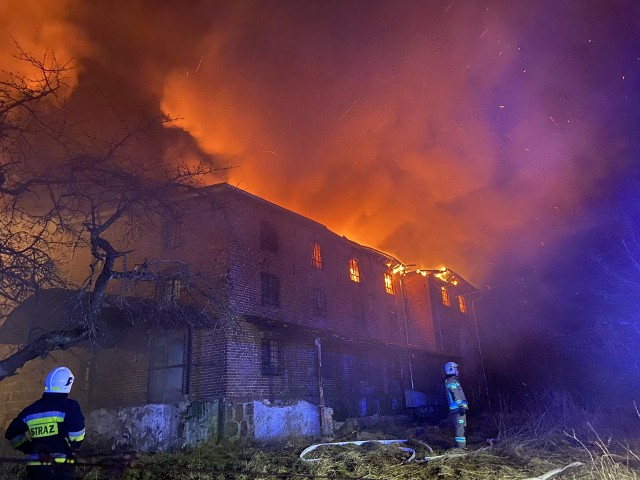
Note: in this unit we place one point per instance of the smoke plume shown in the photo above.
(470, 134)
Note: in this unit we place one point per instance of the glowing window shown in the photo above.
(388, 284)
(354, 270)
(461, 304)
(445, 297)
(316, 255)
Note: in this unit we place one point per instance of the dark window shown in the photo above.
(328, 364)
(270, 291)
(319, 304)
(170, 233)
(393, 320)
(358, 313)
(268, 237)
(316, 255)
(168, 290)
(166, 367)
(272, 357)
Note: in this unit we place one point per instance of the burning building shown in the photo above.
(262, 323)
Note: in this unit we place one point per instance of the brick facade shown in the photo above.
(275, 282)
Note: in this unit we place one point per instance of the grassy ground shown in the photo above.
(523, 446)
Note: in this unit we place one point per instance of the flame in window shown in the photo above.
(461, 304)
(354, 270)
(445, 297)
(388, 284)
(316, 255)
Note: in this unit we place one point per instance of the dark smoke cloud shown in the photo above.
(465, 133)
(476, 134)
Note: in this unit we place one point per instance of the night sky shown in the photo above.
(498, 138)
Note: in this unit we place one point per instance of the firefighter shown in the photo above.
(50, 430)
(458, 406)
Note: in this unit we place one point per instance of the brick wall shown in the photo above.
(120, 373)
(422, 330)
(208, 364)
(363, 380)
(221, 240)
(428, 377)
(363, 310)
(221, 244)
(245, 378)
(449, 322)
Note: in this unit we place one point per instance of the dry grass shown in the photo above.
(552, 433)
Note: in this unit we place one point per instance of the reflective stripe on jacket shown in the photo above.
(455, 394)
(50, 426)
(36, 460)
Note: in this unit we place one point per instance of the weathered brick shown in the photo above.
(374, 344)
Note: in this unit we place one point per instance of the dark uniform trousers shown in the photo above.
(59, 471)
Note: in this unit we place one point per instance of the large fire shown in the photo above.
(440, 132)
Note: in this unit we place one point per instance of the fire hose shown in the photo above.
(311, 448)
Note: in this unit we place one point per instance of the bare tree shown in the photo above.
(26, 256)
(63, 191)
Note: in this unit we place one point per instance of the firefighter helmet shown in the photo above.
(59, 380)
(451, 368)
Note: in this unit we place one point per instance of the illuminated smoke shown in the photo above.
(446, 132)
(38, 27)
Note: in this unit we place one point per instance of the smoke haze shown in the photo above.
(472, 134)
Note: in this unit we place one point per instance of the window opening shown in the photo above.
(445, 297)
(268, 237)
(461, 304)
(272, 357)
(169, 290)
(316, 255)
(270, 290)
(166, 367)
(319, 304)
(354, 270)
(358, 313)
(170, 233)
(388, 284)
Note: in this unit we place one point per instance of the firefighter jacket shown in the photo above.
(455, 394)
(51, 427)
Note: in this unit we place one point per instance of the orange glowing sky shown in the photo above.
(463, 133)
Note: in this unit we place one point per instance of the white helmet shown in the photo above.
(59, 380)
(451, 368)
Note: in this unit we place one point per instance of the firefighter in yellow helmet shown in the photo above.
(50, 430)
(458, 405)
